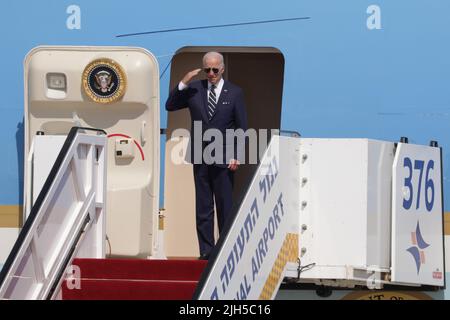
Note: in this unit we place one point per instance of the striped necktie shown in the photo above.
(212, 102)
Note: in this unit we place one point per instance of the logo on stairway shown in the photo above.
(417, 248)
(104, 81)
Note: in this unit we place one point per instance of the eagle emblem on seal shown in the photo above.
(104, 81)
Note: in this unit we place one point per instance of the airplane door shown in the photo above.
(115, 89)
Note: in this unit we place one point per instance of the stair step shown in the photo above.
(134, 269)
(133, 279)
(130, 290)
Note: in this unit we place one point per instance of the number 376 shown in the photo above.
(429, 184)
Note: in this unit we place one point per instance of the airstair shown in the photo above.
(334, 212)
(347, 213)
(296, 222)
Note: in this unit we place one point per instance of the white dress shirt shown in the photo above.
(217, 91)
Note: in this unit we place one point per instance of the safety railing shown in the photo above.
(65, 221)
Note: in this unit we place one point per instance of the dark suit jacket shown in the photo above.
(230, 114)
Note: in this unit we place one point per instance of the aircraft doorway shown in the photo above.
(259, 71)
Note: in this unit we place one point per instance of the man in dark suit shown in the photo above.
(216, 104)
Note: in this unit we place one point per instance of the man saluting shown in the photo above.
(215, 104)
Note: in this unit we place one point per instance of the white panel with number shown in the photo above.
(417, 234)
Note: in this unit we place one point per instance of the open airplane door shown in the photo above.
(417, 216)
(115, 89)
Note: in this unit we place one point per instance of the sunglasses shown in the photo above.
(208, 70)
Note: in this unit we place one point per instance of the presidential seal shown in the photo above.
(104, 81)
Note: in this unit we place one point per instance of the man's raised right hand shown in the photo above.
(188, 77)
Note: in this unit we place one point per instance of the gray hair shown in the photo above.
(214, 54)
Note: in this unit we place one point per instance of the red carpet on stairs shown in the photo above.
(123, 279)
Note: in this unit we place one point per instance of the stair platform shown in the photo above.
(133, 279)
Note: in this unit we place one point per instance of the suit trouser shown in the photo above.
(211, 183)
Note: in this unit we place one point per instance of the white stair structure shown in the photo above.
(66, 220)
(334, 212)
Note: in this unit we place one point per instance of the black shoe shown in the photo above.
(204, 257)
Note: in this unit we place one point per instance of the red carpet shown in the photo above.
(123, 279)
